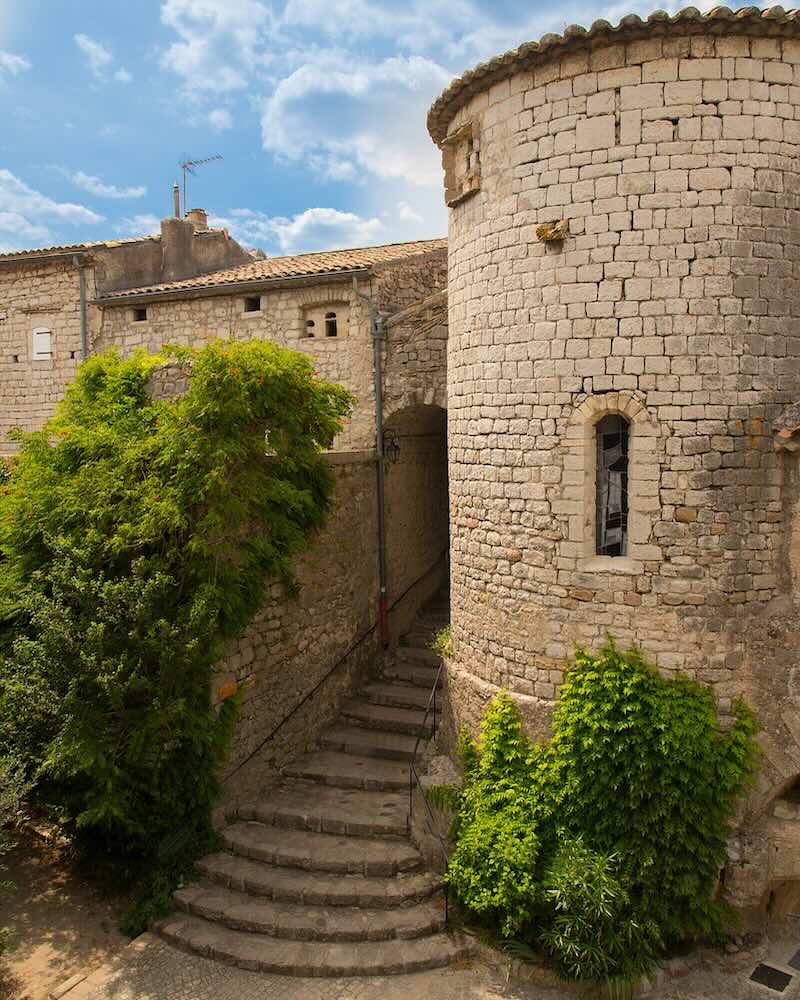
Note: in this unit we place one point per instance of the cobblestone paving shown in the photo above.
(152, 970)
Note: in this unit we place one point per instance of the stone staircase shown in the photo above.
(322, 878)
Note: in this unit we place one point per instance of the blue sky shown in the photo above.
(317, 106)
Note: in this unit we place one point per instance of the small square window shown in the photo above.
(139, 315)
(42, 344)
(252, 304)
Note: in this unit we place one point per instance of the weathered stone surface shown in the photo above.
(673, 304)
(243, 912)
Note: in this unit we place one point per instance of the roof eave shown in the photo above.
(229, 287)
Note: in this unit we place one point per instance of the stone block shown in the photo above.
(595, 133)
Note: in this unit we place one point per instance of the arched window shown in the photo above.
(330, 324)
(612, 435)
(309, 327)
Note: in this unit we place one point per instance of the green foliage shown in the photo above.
(13, 789)
(443, 642)
(593, 934)
(604, 843)
(136, 536)
(642, 765)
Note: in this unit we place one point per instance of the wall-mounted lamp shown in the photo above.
(391, 447)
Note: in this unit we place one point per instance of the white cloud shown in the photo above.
(314, 229)
(338, 114)
(27, 215)
(12, 64)
(220, 119)
(139, 225)
(97, 55)
(407, 214)
(100, 59)
(13, 222)
(220, 44)
(93, 185)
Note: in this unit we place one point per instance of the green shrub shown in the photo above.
(136, 537)
(604, 843)
(13, 789)
(443, 642)
(644, 771)
(592, 933)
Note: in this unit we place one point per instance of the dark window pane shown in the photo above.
(612, 486)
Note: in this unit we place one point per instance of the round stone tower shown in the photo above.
(624, 287)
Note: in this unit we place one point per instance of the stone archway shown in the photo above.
(417, 510)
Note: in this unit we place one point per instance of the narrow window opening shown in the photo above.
(309, 327)
(139, 315)
(330, 325)
(252, 304)
(612, 434)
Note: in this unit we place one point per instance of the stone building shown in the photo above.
(623, 297)
(191, 284)
(613, 350)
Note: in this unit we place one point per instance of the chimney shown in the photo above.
(176, 200)
(198, 218)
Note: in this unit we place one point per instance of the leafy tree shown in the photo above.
(137, 535)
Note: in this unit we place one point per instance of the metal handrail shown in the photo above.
(413, 779)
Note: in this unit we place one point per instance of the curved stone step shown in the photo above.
(419, 654)
(414, 674)
(396, 695)
(317, 888)
(386, 719)
(320, 851)
(299, 922)
(346, 770)
(260, 953)
(368, 743)
(344, 811)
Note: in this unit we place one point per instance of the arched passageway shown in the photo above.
(417, 510)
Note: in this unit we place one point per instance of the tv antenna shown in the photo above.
(188, 167)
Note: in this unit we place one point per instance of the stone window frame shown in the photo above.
(336, 302)
(580, 480)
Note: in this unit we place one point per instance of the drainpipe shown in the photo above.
(376, 329)
(80, 263)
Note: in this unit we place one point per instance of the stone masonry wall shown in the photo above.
(673, 301)
(194, 321)
(293, 643)
(36, 294)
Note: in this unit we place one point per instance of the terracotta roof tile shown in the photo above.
(769, 20)
(296, 266)
(72, 247)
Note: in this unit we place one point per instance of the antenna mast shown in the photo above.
(188, 167)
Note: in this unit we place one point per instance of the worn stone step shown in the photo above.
(387, 719)
(396, 695)
(318, 888)
(320, 851)
(418, 654)
(415, 674)
(368, 742)
(346, 770)
(260, 953)
(243, 912)
(345, 811)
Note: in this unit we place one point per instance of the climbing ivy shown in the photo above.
(602, 845)
(137, 535)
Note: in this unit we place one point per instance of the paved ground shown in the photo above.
(151, 970)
